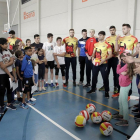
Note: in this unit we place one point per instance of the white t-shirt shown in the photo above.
(5, 58)
(59, 50)
(49, 48)
(35, 57)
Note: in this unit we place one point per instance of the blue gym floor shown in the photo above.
(62, 106)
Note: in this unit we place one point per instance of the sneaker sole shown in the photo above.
(10, 108)
(24, 107)
(31, 104)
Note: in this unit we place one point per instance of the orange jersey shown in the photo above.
(12, 41)
(101, 50)
(71, 46)
(112, 41)
(127, 44)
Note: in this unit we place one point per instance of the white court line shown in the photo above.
(60, 127)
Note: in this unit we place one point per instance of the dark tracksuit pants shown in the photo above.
(82, 62)
(137, 82)
(73, 62)
(104, 72)
(89, 66)
(112, 63)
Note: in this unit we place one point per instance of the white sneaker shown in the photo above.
(33, 99)
(15, 96)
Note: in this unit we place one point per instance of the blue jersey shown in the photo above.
(81, 45)
(27, 67)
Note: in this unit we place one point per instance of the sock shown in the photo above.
(63, 81)
(51, 81)
(56, 81)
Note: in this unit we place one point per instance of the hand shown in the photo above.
(137, 70)
(55, 54)
(102, 61)
(34, 84)
(92, 59)
(118, 37)
(89, 57)
(139, 85)
(12, 78)
(124, 73)
(21, 78)
(128, 59)
(15, 80)
(58, 66)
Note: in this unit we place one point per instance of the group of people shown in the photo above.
(29, 64)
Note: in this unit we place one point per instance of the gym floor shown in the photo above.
(53, 115)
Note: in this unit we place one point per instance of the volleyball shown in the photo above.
(96, 62)
(85, 114)
(80, 121)
(90, 108)
(106, 128)
(106, 115)
(96, 117)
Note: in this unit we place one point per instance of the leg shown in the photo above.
(67, 63)
(56, 73)
(120, 101)
(74, 63)
(88, 70)
(82, 67)
(46, 75)
(51, 70)
(63, 73)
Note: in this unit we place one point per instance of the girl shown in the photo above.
(20, 46)
(41, 69)
(28, 43)
(126, 74)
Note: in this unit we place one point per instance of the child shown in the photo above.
(6, 62)
(35, 58)
(27, 71)
(59, 54)
(28, 43)
(126, 74)
(48, 48)
(41, 69)
(18, 64)
(20, 46)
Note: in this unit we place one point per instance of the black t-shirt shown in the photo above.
(18, 63)
(37, 46)
(41, 66)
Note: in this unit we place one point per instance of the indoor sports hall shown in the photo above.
(66, 109)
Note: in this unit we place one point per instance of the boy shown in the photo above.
(48, 47)
(27, 71)
(59, 54)
(18, 64)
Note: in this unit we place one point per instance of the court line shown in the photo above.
(53, 122)
(95, 101)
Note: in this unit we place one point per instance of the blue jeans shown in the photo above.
(36, 78)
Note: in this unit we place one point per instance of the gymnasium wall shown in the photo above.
(3, 17)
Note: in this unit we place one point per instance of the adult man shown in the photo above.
(82, 55)
(37, 43)
(127, 43)
(112, 62)
(71, 43)
(89, 51)
(12, 39)
(102, 52)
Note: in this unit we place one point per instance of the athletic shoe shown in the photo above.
(46, 85)
(136, 106)
(74, 83)
(117, 117)
(122, 123)
(30, 102)
(11, 107)
(1, 110)
(43, 88)
(102, 88)
(33, 99)
(115, 90)
(19, 99)
(80, 83)
(16, 102)
(24, 106)
(64, 85)
(56, 85)
(106, 94)
(36, 91)
(91, 91)
(137, 116)
(115, 95)
(87, 85)
(128, 98)
(136, 111)
(52, 85)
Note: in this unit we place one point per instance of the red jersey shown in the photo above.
(90, 46)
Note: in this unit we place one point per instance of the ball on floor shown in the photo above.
(90, 108)
(80, 121)
(85, 114)
(106, 128)
(106, 115)
(96, 117)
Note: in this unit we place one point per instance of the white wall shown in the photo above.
(3, 18)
